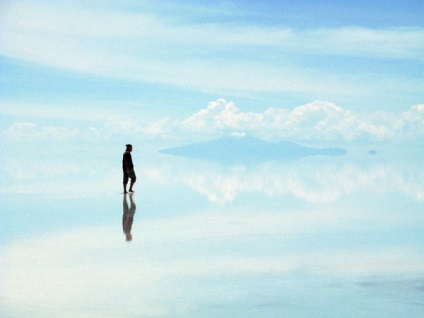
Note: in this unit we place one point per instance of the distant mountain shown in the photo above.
(248, 149)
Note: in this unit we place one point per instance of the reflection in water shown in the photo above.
(314, 181)
(128, 216)
(354, 250)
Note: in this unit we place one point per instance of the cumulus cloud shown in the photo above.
(314, 121)
(220, 114)
(412, 121)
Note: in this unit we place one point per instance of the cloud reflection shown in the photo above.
(188, 263)
(313, 181)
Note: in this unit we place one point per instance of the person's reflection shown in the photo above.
(128, 217)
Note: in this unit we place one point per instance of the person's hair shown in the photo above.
(128, 146)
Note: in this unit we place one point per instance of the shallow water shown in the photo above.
(317, 237)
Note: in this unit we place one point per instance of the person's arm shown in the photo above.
(126, 163)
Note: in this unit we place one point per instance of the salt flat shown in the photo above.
(315, 237)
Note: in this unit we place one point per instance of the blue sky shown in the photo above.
(80, 79)
(82, 65)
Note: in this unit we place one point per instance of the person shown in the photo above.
(128, 169)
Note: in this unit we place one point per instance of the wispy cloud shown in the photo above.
(70, 111)
(208, 56)
(51, 22)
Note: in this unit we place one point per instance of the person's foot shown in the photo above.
(132, 191)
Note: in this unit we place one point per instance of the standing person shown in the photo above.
(128, 169)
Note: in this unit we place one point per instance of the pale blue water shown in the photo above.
(315, 237)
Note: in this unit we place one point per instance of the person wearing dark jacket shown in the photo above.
(128, 169)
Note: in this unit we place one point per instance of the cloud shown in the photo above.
(106, 23)
(413, 121)
(144, 46)
(85, 112)
(359, 41)
(220, 115)
(314, 121)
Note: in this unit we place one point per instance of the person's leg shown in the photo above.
(131, 186)
(133, 178)
(125, 181)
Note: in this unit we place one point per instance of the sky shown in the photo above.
(304, 70)
(80, 79)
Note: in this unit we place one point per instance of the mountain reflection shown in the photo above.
(128, 216)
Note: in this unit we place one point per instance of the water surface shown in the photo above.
(315, 237)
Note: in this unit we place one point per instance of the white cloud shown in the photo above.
(96, 23)
(211, 56)
(359, 41)
(160, 127)
(412, 121)
(81, 111)
(314, 121)
(220, 115)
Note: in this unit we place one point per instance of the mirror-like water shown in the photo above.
(316, 237)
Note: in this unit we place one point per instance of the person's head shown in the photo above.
(129, 147)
